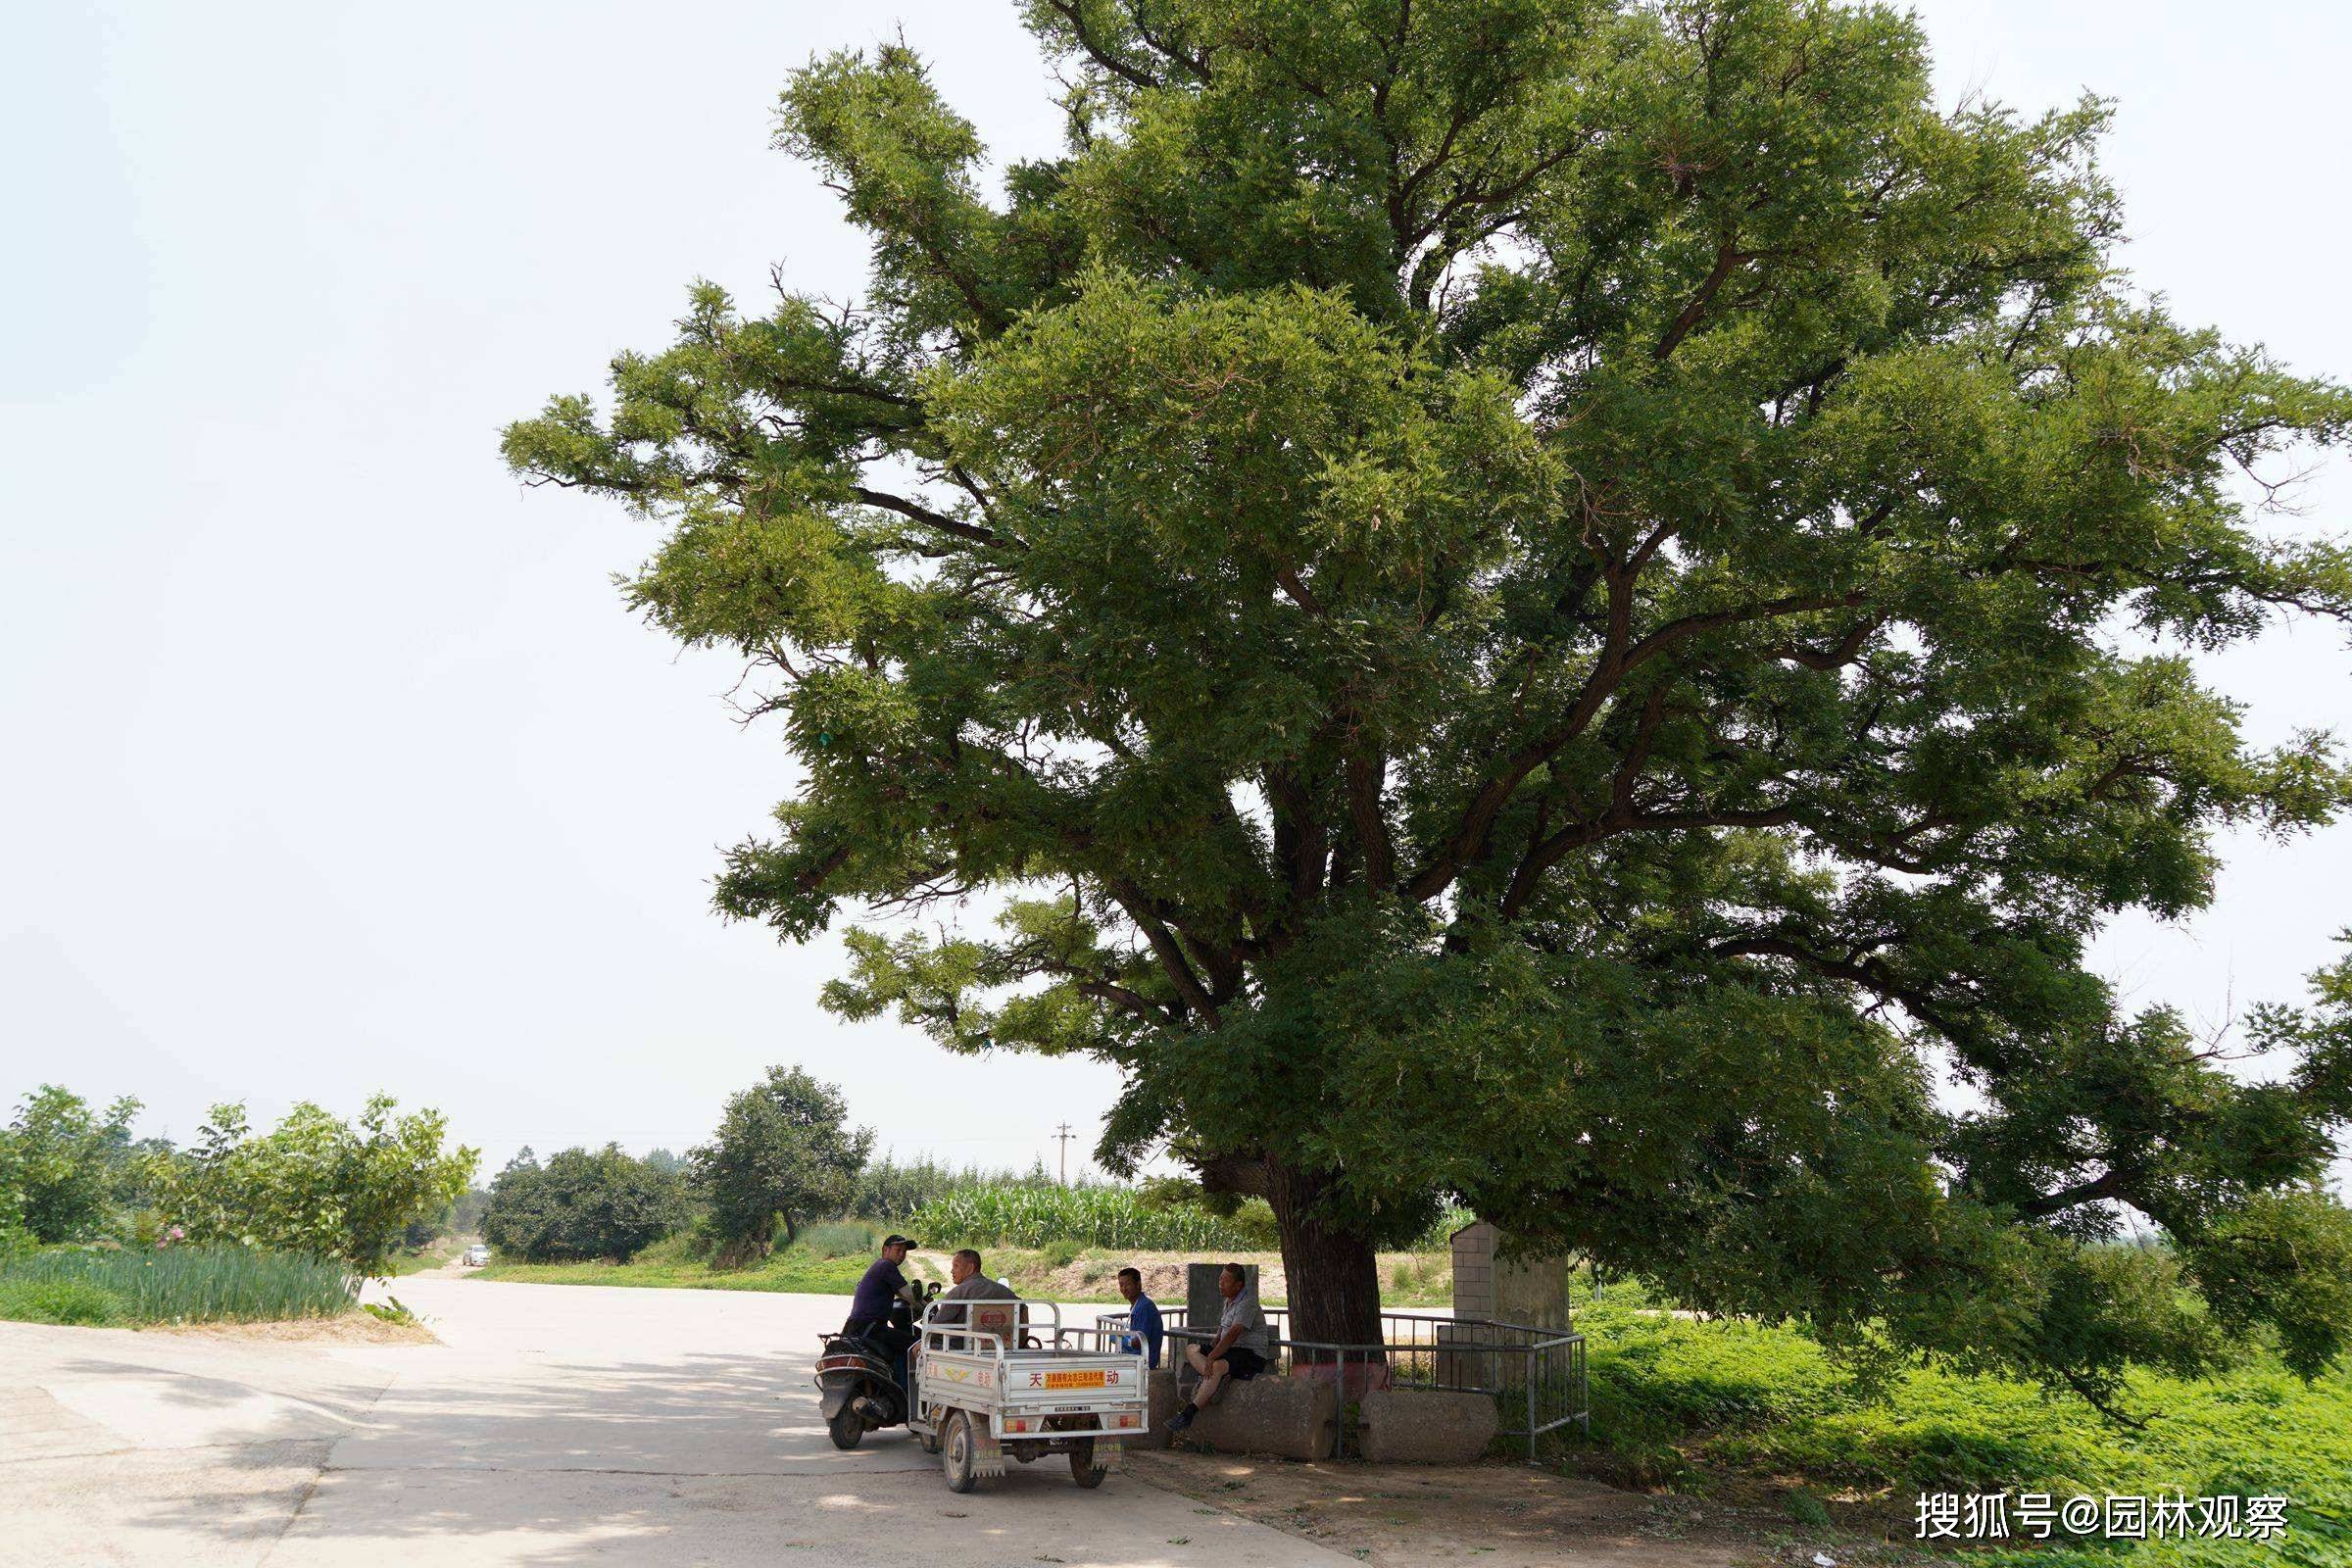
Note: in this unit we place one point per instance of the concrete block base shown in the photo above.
(1291, 1418)
(1425, 1426)
(1160, 1387)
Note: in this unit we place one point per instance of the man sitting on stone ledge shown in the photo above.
(1240, 1351)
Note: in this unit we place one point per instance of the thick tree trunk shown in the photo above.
(1334, 1276)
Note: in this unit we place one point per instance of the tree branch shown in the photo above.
(1727, 261)
(1171, 956)
(2108, 1184)
(937, 520)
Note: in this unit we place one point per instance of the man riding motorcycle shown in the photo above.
(885, 1282)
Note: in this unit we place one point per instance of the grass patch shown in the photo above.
(841, 1237)
(1416, 1279)
(174, 1285)
(71, 1301)
(801, 1268)
(1686, 1403)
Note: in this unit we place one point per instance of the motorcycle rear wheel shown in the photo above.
(846, 1427)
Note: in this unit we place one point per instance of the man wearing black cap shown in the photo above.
(870, 1309)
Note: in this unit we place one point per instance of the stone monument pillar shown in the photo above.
(1531, 1292)
(1203, 1304)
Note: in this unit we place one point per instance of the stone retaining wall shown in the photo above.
(1425, 1426)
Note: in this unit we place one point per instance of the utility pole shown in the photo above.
(1064, 1133)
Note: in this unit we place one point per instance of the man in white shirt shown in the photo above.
(1242, 1350)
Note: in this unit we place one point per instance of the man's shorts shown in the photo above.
(1241, 1364)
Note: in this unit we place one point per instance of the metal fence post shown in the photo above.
(1529, 1371)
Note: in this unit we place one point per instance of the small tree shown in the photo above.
(580, 1204)
(782, 1156)
(317, 1184)
(60, 1163)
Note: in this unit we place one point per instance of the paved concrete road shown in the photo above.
(555, 1425)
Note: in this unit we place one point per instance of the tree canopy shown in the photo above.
(316, 1183)
(783, 1154)
(64, 1170)
(1561, 602)
(582, 1203)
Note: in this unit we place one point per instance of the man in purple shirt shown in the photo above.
(870, 1307)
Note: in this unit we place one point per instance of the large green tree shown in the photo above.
(1562, 603)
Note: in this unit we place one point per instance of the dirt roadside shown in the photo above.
(1498, 1515)
(351, 1328)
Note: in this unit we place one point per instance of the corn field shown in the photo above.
(1090, 1216)
(195, 1284)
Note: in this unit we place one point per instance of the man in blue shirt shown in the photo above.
(1143, 1316)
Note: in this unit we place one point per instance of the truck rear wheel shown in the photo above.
(1082, 1463)
(956, 1459)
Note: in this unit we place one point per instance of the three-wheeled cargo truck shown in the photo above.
(1006, 1376)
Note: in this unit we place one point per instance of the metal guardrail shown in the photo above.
(1537, 1376)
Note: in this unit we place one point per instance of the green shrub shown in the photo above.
(62, 1163)
(1670, 1396)
(691, 1245)
(317, 1185)
(57, 1301)
(194, 1283)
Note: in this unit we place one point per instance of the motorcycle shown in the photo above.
(862, 1380)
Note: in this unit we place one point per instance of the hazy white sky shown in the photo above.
(331, 759)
